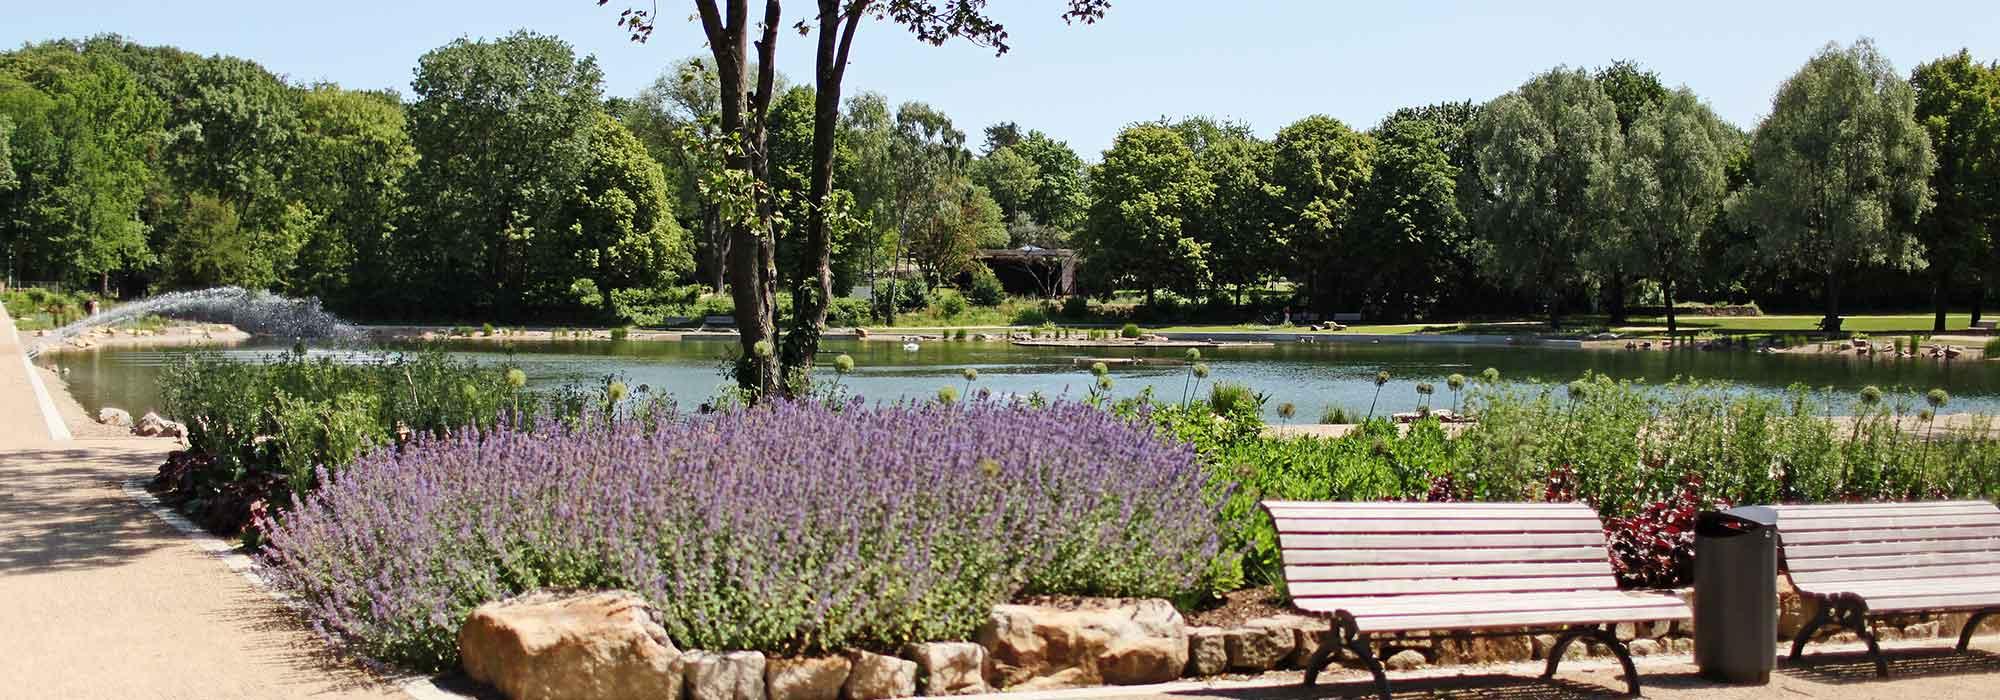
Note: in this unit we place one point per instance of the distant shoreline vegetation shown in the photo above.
(131, 169)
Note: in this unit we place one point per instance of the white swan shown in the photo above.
(911, 346)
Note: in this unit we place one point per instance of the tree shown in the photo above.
(952, 223)
(1670, 185)
(1410, 242)
(1546, 154)
(1145, 197)
(1239, 224)
(8, 180)
(1009, 177)
(1322, 166)
(865, 166)
(1842, 170)
(1958, 104)
(626, 236)
(754, 273)
(687, 96)
(1633, 90)
(352, 154)
(83, 128)
(1060, 194)
(1000, 136)
(503, 128)
(927, 150)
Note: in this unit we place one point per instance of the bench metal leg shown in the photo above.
(1350, 637)
(1604, 635)
(1848, 612)
(1328, 652)
(1811, 627)
(1972, 625)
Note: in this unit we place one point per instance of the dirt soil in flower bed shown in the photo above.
(1241, 606)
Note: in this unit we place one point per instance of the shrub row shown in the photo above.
(795, 528)
(1646, 457)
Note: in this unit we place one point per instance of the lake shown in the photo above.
(1312, 376)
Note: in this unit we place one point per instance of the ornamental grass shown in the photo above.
(795, 528)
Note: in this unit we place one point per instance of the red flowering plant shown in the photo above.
(1654, 548)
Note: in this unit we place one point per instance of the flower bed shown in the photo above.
(794, 528)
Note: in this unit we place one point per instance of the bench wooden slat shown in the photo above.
(1907, 534)
(1913, 587)
(1290, 541)
(1444, 556)
(1408, 513)
(1874, 510)
(1864, 525)
(1914, 560)
(1435, 526)
(1816, 580)
(1934, 602)
(1804, 552)
(1474, 621)
(1456, 507)
(1483, 602)
(1438, 585)
(1301, 574)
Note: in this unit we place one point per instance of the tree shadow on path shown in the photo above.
(62, 508)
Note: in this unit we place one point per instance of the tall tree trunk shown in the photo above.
(1614, 303)
(1832, 321)
(1667, 293)
(814, 293)
(752, 269)
(1978, 295)
(1940, 298)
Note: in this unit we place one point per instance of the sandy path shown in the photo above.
(1927, 670)
(101, 599)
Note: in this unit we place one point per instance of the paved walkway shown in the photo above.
(100, 599)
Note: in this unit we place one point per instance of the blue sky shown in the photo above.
(1265, 62)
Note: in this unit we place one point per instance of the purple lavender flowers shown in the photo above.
(791, 528)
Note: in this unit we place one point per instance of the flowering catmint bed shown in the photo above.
(793, 528)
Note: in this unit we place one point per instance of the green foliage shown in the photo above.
(1322, 167)
(1144, 194)
(1841, 168)
(1231, 398)
(948, 303)
(985, 289)
(1335, 414)
(504, 131)
(1670, 187)
(1131, 330)
(1958, 105)
(1546, 156)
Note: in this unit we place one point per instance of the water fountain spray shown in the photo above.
(254, 311)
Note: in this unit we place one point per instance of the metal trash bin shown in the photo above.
(1736, 594)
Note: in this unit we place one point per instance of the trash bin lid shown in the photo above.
(1735, 521)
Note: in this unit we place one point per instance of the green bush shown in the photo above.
(847, 311)
(1231, 398)
(1131, 330)
(621, 332)
(948, 303)
(1335, 415)
(1036, 315)
(1076, 307)
(985, 289)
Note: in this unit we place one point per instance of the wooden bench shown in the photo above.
(1858, 560)
(1487, 568)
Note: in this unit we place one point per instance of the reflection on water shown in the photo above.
(1310, 376)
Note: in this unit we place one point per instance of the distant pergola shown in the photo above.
(1046, 272)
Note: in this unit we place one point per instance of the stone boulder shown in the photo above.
(949, 668)
(115, 417)
(878, 677)
(1208, 653)
(818, 678)
(737, 675)
(152, 425)
(548, 646)
(1258, 649)
(1089, 643)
